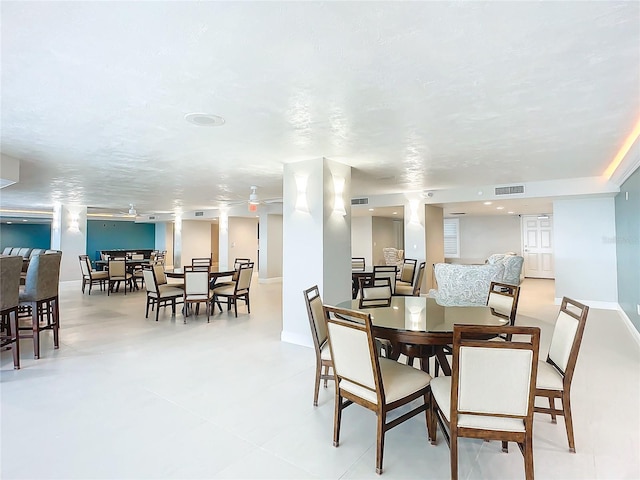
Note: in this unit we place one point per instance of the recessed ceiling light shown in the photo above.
(488, 203)
(395, 213)
(371, 209)
(204, 119)
(499, 208)
(25, 220)
(9, 223)
(510, 213)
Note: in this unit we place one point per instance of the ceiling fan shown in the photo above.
(253, 201)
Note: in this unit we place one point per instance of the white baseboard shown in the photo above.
(627, 321)
(270, 280)
(296, 339)
(593, 304)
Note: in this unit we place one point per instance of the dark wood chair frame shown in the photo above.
(565, 394)
(238, 293)
(370, 282)
(467, 336)
(115, 280)
(389, 271)
(159, 301)
(407, 261)
(187, 300)
(87, 275)
(362, 321)
(506, 290)
(320, 340)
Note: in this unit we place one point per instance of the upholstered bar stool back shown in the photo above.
(40, 297)
(10, 268)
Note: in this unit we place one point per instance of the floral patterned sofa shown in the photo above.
(464, 285)
(512, 266)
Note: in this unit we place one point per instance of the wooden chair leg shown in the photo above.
(454, 455)
(326, 374)
(552, 405)
(528, 457)
(56, 324)
(505, 447)
(380, 442)
(35, 320)
(12, 325)
(568, 421)
(337, 418)
(316, 388)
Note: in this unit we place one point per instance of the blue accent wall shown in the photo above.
(34, 235)
(110, 235)
(628, 246)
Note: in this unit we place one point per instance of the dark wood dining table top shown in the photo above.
(215, 272)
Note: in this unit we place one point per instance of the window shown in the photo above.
(451, 238)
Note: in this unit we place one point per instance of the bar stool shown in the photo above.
(39, 299)
(10, 268)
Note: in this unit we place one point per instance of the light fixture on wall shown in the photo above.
(338, 202)
(223, 223)
(56, 220)
(413, 211)
(301, 193)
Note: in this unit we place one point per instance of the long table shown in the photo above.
(421, 321)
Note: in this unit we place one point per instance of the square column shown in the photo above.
(69, 235)
(316, 240)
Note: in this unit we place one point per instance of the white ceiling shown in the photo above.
(413, 95)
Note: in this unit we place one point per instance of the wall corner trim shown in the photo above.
(627, 321)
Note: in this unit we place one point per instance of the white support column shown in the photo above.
(223, 240)
(270, 247)
(316, 240)
(69, 234)
(177, 241)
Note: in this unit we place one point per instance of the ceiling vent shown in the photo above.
(360, 201)
(199, 214)
(152, 217)
(512, 190)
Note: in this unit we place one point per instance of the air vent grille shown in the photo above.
(512, 190)
(199, 214)
(359, 201)
(152, 217)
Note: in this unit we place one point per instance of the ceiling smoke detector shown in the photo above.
(253, 196)
(204, 119)
(132, 210)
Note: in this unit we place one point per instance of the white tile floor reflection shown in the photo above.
(126, 398)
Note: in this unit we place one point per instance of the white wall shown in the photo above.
(362, 239)
(243, 239)
(585, 250)
(196, 240)
(483, 235)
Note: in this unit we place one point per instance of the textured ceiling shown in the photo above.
(413, 95)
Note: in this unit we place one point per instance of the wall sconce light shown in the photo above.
(301, 193)
(338, 202)
(74, 222)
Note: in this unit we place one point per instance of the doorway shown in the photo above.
(537, 246)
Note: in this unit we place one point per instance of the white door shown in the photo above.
(537, 243)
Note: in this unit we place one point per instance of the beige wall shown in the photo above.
(434, 233)
(385, 232)
(482, 236)
(243, 239)
(215, 240)
(196, 240)
(273, 244)
(362, 239)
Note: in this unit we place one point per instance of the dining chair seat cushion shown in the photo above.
(195, 297)
(167, 291)
(400, 282)
(227, 290)
(100, 275)
(399, 381)
(548, 377)
(404, 290)
(441, 392)
(325, 351)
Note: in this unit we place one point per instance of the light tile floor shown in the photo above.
(125, 398)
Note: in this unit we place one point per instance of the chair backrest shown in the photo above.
(353, 351)
(10, 268)
(317, 323)
(199, 262)
(245, 273)
(7, 251)
(236, 266)
(358, 264)
(417, 281)
(494, 378)
(149, 275)
(85, 266)
(196, 280)
(117, 268)
(43, 276)
(503, 300)
(375, 294)
(158, 271)
(408, 270)
(137, 256)
(567, 337)
(386, 271)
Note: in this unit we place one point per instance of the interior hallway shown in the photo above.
(125, 398)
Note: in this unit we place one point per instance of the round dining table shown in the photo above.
(421, 321)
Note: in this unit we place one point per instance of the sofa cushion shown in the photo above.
(465, 285)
